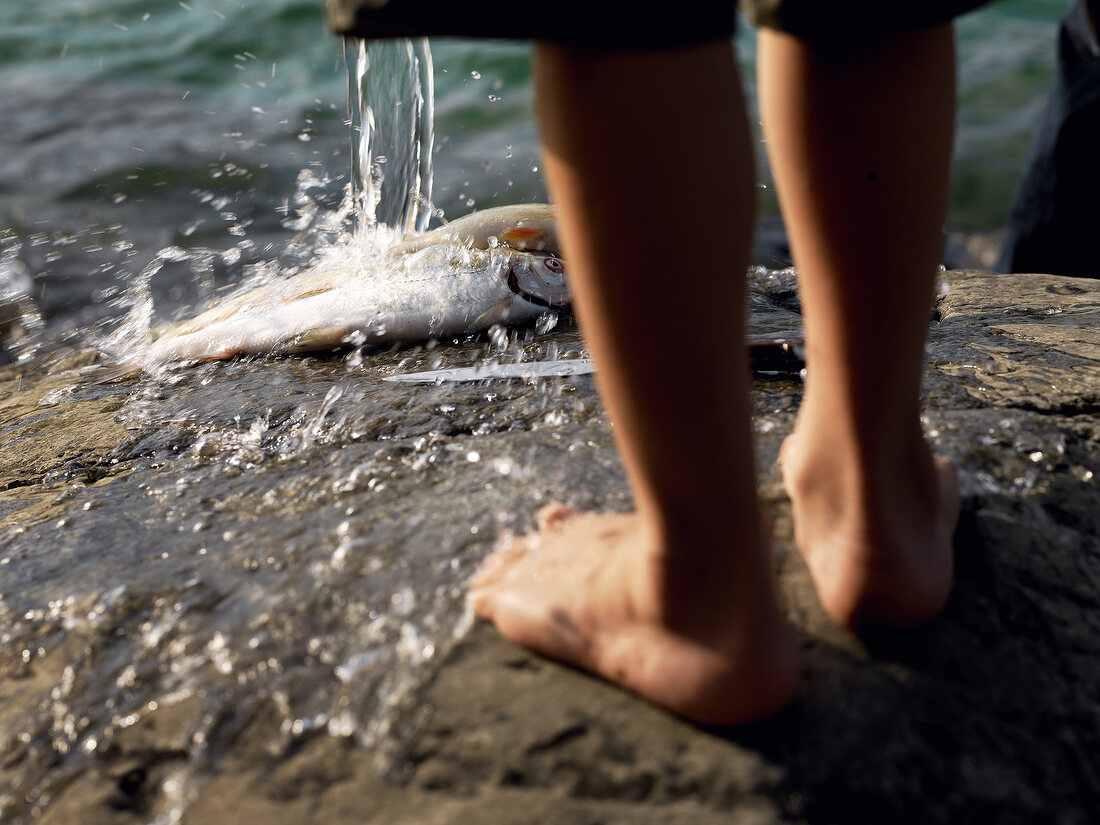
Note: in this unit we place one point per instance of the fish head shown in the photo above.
(539, 279)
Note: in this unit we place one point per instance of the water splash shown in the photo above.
(135, 330)
(20, 319)
(391, 110)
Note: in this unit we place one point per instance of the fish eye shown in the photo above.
(554, 264)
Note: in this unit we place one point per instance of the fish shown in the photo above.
(526, 227)
(497, 266)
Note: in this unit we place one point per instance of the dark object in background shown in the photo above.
(1055, 213)
(617, 24)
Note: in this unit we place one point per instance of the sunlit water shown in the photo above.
(296, 532)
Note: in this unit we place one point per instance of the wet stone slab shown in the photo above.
(235, 592)
(1030, 344)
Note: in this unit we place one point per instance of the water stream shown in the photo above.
(391, 101)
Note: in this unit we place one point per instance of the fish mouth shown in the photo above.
(518, 289)
(531, 298)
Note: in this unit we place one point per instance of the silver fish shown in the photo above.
(526, 227)
(490, 267)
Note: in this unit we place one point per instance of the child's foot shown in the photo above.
(586, 590)
(879, 549)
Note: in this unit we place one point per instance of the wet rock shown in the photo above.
(235, 593)
(1029, 342)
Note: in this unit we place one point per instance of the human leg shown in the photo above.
(676, 600)
(860, 144)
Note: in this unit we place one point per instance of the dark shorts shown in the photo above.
(815, 19)
(582, 22)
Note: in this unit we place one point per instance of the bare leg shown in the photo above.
(860, 144)
(648, 157)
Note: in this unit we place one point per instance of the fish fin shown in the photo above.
(524, 237)
(493, 315)
(310, 293)
(319, 339)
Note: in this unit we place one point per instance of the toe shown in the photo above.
(500, 561)
(554, 515)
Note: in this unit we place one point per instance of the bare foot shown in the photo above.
(584, 590)
(879, 549)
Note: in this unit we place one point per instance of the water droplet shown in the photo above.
(498, 337)
(403, 601)
(556, 418)
(546, 322)
(475, 75)
(342, 725)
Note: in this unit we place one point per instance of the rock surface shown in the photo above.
(989, 714)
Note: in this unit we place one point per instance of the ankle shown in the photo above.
(876, 535)
(866, 467)
(689, 576)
